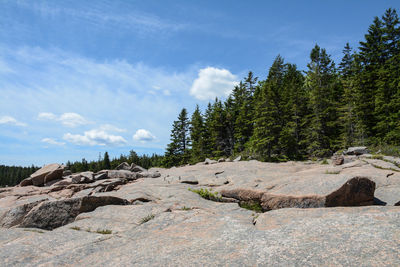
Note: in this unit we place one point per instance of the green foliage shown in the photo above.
(325, 162)
(251, 205)
(147, 218)
(206, 194)
(104, 231)
(332, 172)
(13, 175)
(177, 152)
(76, 228)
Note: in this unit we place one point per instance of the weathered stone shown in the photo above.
(239, 158)
(123, 166)
(137, 168)
(338, 160)
(101, 176)
(209, 161)
(147, 174)
(82, 177)
(45, 174)
(189, 180)
(122, 174)
(52, 214)
(358, 191)
(66, 173)
(356, 150)
(221, 160)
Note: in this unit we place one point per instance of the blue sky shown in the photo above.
(82, 77)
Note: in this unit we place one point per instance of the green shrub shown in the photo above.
(331, 172)
(206, 194)
(251, 205)
(104, 231)
(325, 162)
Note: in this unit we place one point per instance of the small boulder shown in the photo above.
(209, 161)
(338, 160)
(123, 166)
(221, 160)
(137, 168)
(82, 178)
(189, 180)
(237, 159)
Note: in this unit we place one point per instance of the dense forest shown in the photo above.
(294, 114)
(291, 114)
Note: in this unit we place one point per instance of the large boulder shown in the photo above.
(82, 177)
(44, 175)
(358, 191)
(52, 214)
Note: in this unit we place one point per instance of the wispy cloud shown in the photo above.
(68, 119)
(52, 141)
(12, 121)
(102, 15)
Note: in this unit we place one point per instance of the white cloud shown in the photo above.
(69, 119)
(95, 137)
(143, 135)
(11, 120)
(111, 128)
(52, 141)
(166, 92)
(47, 116)
(213, 82)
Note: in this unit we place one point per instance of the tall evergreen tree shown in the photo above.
(267, 124)
(321, 83)
(178, 150)
(197, 136)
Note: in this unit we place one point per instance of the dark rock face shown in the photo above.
(358, 191)
(274, 202)
(52, 214)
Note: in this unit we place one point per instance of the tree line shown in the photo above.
(13, 175)
(294, 114)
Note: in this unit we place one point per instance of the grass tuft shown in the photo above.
(104, 231)
(331, 172)
(147, 218)
(251, 205)
(206, 194)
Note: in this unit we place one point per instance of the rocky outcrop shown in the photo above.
(186, 229)
(52, 214)
(209, 161)
(44, 175)
(358, 191)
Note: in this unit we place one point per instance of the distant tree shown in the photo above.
(178, 150)
(106, 161)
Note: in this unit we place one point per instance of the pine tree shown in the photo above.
(321, 82)
(197, 136)
(348, 117)
(178, 150)
(294, 109)
(267, 124)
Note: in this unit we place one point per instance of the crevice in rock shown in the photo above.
(358, 191)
